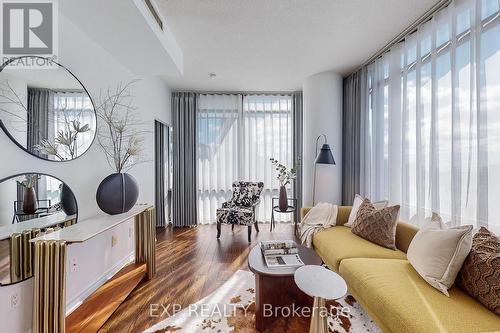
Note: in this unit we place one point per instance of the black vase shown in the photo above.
(68, 201)
(283, 199)
(30, 204)
(117, 193)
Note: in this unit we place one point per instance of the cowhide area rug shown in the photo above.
(231, 308)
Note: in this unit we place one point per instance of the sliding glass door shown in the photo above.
(237, 135)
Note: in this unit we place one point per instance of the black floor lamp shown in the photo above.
(323, 157)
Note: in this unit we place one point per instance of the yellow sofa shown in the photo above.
(391, 291)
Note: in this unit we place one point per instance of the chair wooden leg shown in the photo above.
(249, 233)
(256, 224)
(218, 230)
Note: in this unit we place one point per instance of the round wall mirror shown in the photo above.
(31, 204)
(45, 109)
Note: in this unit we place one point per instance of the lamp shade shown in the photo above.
(325, 155)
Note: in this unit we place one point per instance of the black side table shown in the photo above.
(290, 210)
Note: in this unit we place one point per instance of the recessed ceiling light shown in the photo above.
(212, 75)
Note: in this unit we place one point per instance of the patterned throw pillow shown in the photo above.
(480, 273)
(358, 200)
(376, 226)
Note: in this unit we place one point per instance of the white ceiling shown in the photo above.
(126, 29)
(273, 45)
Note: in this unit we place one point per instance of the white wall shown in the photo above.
(8, 194)
(322, 95)
(17, 127)
(97, 70)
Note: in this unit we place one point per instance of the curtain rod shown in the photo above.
(283, 93)
(409, 30)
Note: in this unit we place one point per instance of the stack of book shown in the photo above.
(281, 254)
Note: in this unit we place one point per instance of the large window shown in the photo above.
(218, 159)
(432, 131)
(237, 134)
(68, 108)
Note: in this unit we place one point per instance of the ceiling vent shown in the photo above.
(154, 13)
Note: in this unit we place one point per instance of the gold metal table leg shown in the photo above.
(145, 239)
(49, 287)
(318, 319)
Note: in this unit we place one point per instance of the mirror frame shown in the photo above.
(47, 175)
(6, 131)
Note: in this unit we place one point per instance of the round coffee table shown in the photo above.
(322, 284)
(275, 287)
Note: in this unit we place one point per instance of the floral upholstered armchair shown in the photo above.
(241, 208)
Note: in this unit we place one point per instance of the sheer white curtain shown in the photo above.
(432, 130)
(267, 132)
(218, 151)
(70, 106)
(74, 105)
(236, 137)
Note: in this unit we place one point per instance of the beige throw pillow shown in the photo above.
(358, 200)
(438, 254)
(376, 225)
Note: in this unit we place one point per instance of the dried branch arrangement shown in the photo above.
(120, 137)
(10, 100)
(65, 139)
(28, 180)
(285, 175)
(64, 146)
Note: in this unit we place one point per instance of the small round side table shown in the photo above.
(290, 209)
(322, 284)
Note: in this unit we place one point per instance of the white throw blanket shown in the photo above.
(320, 217)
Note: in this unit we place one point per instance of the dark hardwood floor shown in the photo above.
(191, 263)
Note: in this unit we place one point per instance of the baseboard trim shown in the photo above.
(79, 299)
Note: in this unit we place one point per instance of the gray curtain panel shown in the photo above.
(297, 147)
(354, 87)
(185, 208)
(40, 102)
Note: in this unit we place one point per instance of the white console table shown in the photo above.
(6, 231)
(49, 309)
(91, 227)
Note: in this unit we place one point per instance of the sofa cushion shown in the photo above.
(377, 225)
(438, 254)
(404, 231)
(338, 243)
(480, 274)
(404, 235)
(405, 303)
